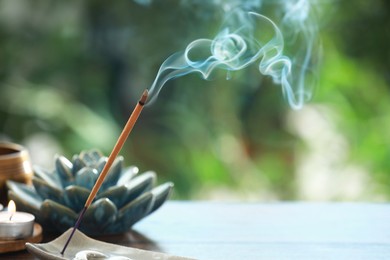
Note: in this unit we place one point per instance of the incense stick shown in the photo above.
(118, 146)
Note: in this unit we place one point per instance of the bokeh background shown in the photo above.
(72, 71)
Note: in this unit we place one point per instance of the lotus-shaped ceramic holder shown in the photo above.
(57, 197)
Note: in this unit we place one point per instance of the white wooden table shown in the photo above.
(227, 231)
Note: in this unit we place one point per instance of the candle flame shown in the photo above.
(11, 207)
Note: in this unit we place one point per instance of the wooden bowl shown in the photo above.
(15, 165)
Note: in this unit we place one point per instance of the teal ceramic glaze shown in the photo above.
(57, 197)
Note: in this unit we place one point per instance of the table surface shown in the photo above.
(296, 230)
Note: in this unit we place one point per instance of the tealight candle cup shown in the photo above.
(15, 165)
(21, 225)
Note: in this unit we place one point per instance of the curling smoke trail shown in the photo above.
(248, 37)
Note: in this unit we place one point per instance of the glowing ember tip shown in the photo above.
(144, 97)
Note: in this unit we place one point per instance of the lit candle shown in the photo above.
(14, 224)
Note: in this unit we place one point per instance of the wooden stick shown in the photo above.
(118, 146)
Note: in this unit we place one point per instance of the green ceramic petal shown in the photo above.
(64, 170)
(26, 205)
(123, 194)
(84, 156)
(127, 174)
(117, 194)
(99, 216)
(160, 195)
(133, 211)
(48, 177)
(88, 158)
(86, 177)
(25, 197)
(75, 197)
(100, 164)
(78, 164)
(95, 154)
(139, 185)
(148, 177)
(57, 215)
(46, 191)
(114, 173)
(26, 191)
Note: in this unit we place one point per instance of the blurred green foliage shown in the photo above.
(71, 72)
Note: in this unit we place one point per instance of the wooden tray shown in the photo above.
(20, 244)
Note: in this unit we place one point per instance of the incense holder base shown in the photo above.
(83, 247)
